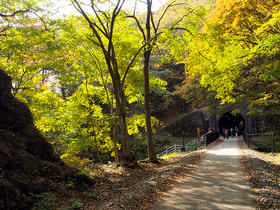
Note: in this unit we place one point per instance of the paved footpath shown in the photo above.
(218, 183)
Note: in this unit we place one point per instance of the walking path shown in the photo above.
(218, 183)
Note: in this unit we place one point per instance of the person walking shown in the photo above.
(236, 132)
(226, 133)
(232, 132)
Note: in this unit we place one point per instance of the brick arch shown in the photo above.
(249, 121)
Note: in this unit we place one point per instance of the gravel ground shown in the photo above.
(219, 183)
(264, 176)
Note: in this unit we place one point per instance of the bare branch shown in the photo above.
(131, 62)
(134, 12)
(181, 19)
(172, 4)
(136, 54)
(7, 16)
(266, 85)
(97, 64)
(104, 31)
(18, 87)
(2, 31)
(91, 24)
(149, 14)
(138, 25)
(204, 56)
(153, 23)
(184, 29)
(94, 42)
(45, 25)
(13, 14)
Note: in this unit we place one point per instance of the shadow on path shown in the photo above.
(219, 183)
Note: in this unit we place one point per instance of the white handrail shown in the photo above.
(202, 138)
(174, 147)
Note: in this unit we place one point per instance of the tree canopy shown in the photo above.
(236, 53)
(83, 75)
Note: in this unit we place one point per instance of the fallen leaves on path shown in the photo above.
(120, 188)
(264, 176)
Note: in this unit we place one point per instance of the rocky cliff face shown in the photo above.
(28, 164)
(16, 119)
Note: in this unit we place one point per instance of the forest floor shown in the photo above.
(263, 171)
(120, 188)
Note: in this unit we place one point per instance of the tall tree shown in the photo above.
(147, 54)
(102, 26)
(149, 42)
(151, 31)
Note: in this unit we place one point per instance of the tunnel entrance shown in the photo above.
(231, 121)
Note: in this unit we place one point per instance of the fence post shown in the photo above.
(273, 141)
(198, 137)
(183, 147)
(247, 135)
(248, 140)
(183, 138)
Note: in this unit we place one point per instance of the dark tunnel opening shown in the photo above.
(229, 121)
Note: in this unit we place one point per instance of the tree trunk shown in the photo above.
(147, 54)
(114, 123)
(97, 149)
(129, 157)
(150, 143)
(112, 64)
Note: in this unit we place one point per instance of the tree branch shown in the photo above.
(91, 25)
(45, 25)
(164, 12)
(13, 14)
(177, 22)
(138, 25)
(97, 64)
(110, 44)
(204, 56)
(104, 31)
(136, 54)
(94, 42)
(184, 29)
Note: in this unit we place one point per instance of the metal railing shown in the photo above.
(170, 150)
(195, 141)
(175, 147)
(260, 141)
